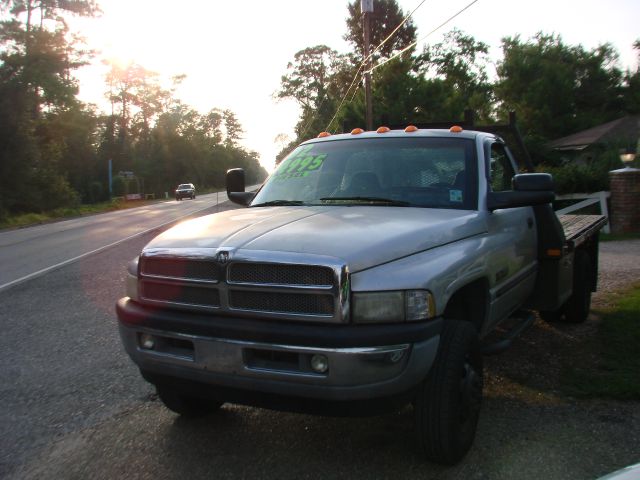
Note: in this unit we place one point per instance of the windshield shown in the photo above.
(416, 172)
(184, 186)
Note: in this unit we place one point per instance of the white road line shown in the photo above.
(97, 250)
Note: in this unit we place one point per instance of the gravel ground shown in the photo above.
(619, 268)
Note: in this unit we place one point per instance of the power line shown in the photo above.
(364, 62)
(355, 77)
(312, 118)
(423, 38)
(392, 33)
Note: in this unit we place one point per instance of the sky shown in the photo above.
(235, 52)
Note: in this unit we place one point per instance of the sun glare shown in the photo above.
(120, 62)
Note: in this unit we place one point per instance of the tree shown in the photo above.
(135, 91)
(36, 88)
(439, 84)
(316, 80)
(233, 129)
(211, 125)
(186, 146)
(459, 62)
(43, 10)
(37, 53)
(631, 91)
(386, 16)
(54, 150)
(557, 89)
(137, 99)
(68, 140)
(395, 96)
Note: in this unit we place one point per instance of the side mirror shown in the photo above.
(533, 182)
(235, 187)
(529, 189)
(235, 180)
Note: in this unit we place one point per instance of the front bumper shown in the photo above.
(364, 362)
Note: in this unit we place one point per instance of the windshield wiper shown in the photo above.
(386, 201)
(277, 203)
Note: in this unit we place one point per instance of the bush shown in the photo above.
(96, 192)
(45, 191)
(573, 177)
(57, 193)
(118, 186)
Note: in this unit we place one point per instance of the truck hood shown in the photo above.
(360, 236)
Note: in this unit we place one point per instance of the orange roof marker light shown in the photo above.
(455, 129)
(383, 130)
(324, 134)
(357, 131)
(411, 128)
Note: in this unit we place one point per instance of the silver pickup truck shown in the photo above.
(371, 270)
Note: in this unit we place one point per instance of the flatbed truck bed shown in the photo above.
(580, 228)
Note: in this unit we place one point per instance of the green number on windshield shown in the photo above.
(300, 164)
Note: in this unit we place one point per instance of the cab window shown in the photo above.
(501, 169)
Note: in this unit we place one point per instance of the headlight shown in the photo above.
(392, 307)
(132, 279)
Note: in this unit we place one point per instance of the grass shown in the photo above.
(613, 371)
(614, 237)
(27, 219)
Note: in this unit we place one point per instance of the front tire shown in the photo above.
(186, 406)
(447, 407)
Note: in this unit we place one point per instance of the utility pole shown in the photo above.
(366, 7)
(110, 178)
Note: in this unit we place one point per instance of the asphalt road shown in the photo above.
(74, 406)
(61, 365)
(28, 252)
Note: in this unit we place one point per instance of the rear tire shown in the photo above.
(447, 407)
(576, 308)
(190, 407)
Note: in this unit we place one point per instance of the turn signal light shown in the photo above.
(357, 131)
(323, 134)
(411, 128)
(383, 130)
(455, 129)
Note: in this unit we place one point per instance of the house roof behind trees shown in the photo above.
(626, 129)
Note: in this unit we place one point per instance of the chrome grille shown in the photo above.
(281, 274)
(269, 285)
(183, 294)
(276, 302)
(180, 268)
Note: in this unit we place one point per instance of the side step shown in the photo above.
(520, 321)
